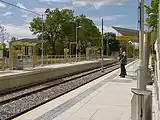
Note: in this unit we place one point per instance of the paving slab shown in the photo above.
(112, 102)
(108, 98)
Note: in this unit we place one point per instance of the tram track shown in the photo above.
(11, 107)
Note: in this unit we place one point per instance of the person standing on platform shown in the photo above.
(123, 62)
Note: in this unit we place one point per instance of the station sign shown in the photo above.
(19, 51)
(126, 38)
(66, 50)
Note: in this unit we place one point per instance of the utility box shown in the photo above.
(19, 62)
(1, 54)
(141, 105)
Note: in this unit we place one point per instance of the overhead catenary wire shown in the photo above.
(30, 12)
(25, 28)
(20, 7)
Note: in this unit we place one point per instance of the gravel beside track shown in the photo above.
(25, 103)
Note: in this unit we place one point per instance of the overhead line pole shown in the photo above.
(141, 76)
(42, 45)
(76, 41)
(102, 49)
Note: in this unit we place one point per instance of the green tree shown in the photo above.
(88, 33)
(152, 19)
(57, 27)
(152, 12)
(60, 30)
(113, 44)
(129, 47)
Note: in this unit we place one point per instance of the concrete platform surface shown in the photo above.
(107, 98)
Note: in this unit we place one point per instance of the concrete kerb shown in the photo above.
(45, 70)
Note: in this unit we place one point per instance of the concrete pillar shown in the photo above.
(141, 80)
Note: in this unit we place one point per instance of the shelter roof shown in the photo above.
(26, 42)
(127, 32)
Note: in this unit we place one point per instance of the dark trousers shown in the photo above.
(123, 70)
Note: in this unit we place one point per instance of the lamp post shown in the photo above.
(42, 45)
(70, 47)
(77, 39)
(102, 49)
(107, 47)
(141, 84)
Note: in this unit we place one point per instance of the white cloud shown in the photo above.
(67, 7)
(21, 5)
(107, 18)
(98, 3)
(42, 10)
(25, 14)
(2, 5)
(60, 1)
(18, 31)
(7, 13)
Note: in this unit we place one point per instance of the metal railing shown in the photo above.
(54, 59)
(29, 61)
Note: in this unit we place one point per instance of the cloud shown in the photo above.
(42, 10)
(67, 7)
(107, 18)
(25, 14)
(2, 5)
(7, 13)
(18, 31)
(98, 3)
(21, 5)
(60, 1)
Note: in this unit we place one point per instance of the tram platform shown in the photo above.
(8, 72)
(11, 80)
(108, 97)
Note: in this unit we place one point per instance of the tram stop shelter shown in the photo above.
(23, 53)
(149, 38)
(133, 35)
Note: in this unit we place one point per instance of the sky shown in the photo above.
(121, 13)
